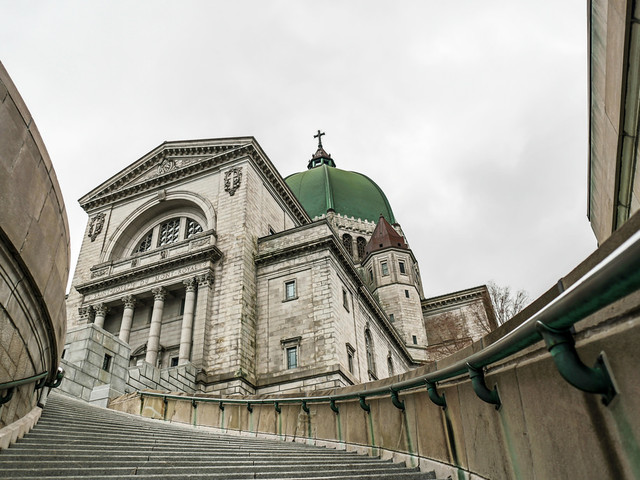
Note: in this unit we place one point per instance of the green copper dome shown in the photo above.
(324, 187)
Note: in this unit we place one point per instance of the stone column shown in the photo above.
(153, 344)
(101, 312)
(187, 321)
(202, 322)
(127, 317)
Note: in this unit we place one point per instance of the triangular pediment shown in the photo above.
(164, 164)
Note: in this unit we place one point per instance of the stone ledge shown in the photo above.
(16, 430)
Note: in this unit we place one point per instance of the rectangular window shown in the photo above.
(385, 268)
(106, 362)
(292, 357)
(345, 299)
(402, 269)
(182, 307)
(350, 353)
(290, 290)
(406, 293)
(415, 340)
(370, 275)
(391, 318)
(173, 362)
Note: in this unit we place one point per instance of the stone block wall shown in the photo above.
(86, 349)
(34, 257)
(174, 379)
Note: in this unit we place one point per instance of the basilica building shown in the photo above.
(202, 269)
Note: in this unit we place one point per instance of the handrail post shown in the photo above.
(436, 398)
(561, 346)
(480, 387)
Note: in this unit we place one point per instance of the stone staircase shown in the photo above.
(76, 440)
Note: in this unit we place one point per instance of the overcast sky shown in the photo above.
(471, 116)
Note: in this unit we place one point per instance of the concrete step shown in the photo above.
(75, 440)
(239, 476)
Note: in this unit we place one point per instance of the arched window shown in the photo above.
(348, 243)
(368, 344)
(390, 365)
(168, 232)
(361, 243)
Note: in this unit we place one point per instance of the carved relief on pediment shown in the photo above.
(162, 167)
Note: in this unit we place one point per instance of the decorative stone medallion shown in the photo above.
(95, 226)
(166, 166)
(232, 179)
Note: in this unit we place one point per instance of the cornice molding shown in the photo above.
(211, 253)
(210, 157)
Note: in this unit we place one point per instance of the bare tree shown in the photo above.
(506, 303)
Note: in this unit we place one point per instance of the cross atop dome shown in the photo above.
(320, 157)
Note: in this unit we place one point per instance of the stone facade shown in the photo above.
(198, 255)
(34, 265)
(455, 320)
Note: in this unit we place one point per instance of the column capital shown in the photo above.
(190, 284)
(86, 313)
(101, 309)
(205, 280)
(129, 301)
(159, 293)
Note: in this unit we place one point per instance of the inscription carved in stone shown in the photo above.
(95, 226)
(232, 180)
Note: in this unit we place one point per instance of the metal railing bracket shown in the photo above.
(436, 398)
(399, 404)
(363, 404)
(480, 387)
(561, 346)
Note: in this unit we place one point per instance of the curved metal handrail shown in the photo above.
(612, 279)
(39, 378)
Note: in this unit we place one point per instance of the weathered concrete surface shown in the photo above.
(34, 255)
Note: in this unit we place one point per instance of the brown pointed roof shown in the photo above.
(384, 236)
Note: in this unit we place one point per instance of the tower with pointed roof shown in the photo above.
(392, 274)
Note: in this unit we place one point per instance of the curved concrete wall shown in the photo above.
(34, 255)
(544, 429)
